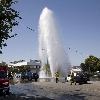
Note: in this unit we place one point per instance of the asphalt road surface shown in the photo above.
(54, 91)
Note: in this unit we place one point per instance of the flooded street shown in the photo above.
(55, 91)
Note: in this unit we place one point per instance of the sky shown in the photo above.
(79, 28)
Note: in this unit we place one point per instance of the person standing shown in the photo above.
(65, 79)
(72, 79)
(57, 76)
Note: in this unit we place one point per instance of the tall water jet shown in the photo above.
(50, 47)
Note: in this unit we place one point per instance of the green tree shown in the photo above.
(84, 67)
(47, 70)
(91, 64)
(98, 65)
(7, 21)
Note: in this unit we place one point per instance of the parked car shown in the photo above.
(35, 76)
(23, 75)
(17, 75)
(27, 75)
(81, 78)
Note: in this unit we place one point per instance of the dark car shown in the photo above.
(23, 75)
(81, 78)
(35, 76)
(26, 75)
(29, 75)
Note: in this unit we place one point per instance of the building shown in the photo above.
(34, 65)
(75, 70)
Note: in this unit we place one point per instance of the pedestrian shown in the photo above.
(65, 79)
(72, 79)
(57, 76)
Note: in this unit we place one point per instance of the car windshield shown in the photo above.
(3, 74)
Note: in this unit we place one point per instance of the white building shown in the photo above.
(34, 65)
(75, 70)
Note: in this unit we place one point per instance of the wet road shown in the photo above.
(55, 91)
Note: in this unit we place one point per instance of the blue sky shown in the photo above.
(79, 26)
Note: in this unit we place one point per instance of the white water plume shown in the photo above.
(50, 47)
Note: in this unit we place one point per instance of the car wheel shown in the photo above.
(80, 83)
(66, 80)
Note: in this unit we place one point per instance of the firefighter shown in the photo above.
(57, 76)
(73, 79)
